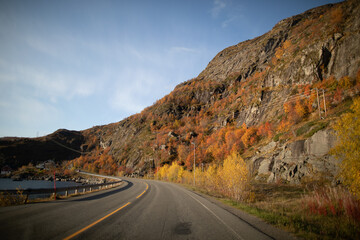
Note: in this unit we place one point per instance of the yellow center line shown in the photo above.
(96, 222)
(147, 186)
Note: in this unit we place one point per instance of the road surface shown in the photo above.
(137, 209)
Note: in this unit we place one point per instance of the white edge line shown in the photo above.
(222, 221)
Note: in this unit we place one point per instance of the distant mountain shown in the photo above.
(17, 152)
(262, 97)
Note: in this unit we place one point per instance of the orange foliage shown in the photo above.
(98, 161)
(338, 95)
(249, 137)
(300, 109)
(265, 130)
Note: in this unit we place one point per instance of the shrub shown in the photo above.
(7, 199)
(348, 147)
(231, 179)
(234, 177)
(333, 202)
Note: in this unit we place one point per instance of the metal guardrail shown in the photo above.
(54, 191)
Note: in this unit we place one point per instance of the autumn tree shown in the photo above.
(249, 137)
(300, 108)
(265, 130)
(234, 176)
(348, 147)
(173, 172)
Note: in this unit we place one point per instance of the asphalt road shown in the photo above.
(138, 209)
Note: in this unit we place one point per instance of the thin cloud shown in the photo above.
(29, 113)
(218, 6)
(183, 50)
(53, 84)
(226, 23)
(135, 88)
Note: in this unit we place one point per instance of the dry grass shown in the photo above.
(316, 213)
(7, 199)
(299, 209)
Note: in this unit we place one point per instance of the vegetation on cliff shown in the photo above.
(262, 100)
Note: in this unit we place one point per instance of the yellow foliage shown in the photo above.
(234, 176)
(279, 53)
(300, 109)
(287, 44)
(346, 82)
(348, 147)
(211, 178)
(231, 179)
(173, 172)
(163, 171)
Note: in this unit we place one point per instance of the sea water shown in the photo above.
(9, 184)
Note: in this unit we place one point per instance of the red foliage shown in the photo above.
(265, 130)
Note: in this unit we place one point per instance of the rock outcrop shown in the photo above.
(293, 162)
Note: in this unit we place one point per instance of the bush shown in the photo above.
(7, 199)
(348, 147)
(230, 179)
(333, 202)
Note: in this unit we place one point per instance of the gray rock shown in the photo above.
(296, 160)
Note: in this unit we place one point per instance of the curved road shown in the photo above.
(138, 209)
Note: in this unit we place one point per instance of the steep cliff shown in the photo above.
(259, 94)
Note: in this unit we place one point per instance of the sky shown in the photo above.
(76, 64)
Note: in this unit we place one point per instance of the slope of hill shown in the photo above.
(261, 97)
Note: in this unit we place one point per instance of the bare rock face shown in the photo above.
(295, 161)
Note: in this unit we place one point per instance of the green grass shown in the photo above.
(318, 127)
(277, 137)
(304, 129)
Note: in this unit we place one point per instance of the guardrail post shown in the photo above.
(76, 191)
(66, 193)
(26, 198)
(84, 190)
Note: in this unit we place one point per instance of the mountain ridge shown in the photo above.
(238, 99)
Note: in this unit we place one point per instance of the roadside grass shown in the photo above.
(286, 207)
(7, 199)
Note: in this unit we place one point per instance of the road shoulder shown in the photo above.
(253, 221)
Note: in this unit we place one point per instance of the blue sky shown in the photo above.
(76, 64)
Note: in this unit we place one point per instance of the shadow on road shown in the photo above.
(105, 194)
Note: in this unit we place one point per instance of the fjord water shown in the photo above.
(9, 184)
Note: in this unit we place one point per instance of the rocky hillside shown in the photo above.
(57, 146)
(264, 98)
